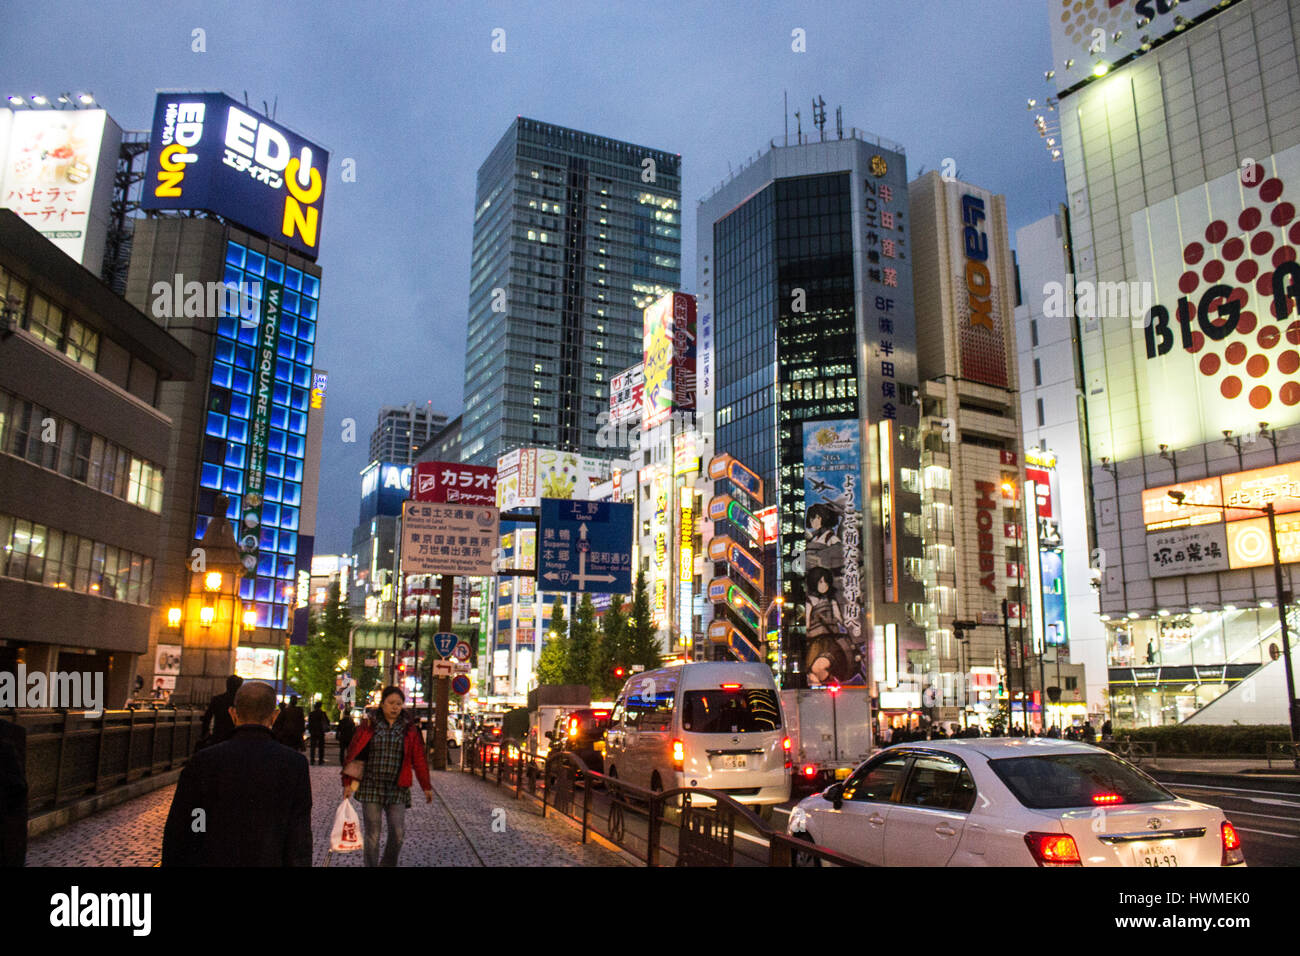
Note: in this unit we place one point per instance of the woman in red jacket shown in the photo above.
(390, 739)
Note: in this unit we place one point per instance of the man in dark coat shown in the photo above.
(13, 794)
(344, 731)
(318, 726)
(217, 716)
(245, 802)
(290, 725)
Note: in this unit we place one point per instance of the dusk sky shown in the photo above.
(415, 95)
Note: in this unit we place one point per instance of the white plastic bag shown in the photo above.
(345, 836)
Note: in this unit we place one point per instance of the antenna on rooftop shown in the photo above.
(819, 115)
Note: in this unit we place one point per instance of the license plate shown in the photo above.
(1155, 854)
(842, 773)
(733, 762)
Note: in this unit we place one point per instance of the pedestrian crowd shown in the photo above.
(244, 799)
(936, 731)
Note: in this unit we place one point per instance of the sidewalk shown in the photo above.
(455, 830)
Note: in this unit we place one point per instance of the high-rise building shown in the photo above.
(242, 291)
(1181, 148)
(83, 464)
(805, 290)
(402, 430)
(1053, 424)
(574, 234)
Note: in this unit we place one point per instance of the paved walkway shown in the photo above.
(469, 823)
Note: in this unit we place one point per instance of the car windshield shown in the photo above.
(1060, 781)
(745, 711)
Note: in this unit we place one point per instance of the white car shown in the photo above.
(1011, 802)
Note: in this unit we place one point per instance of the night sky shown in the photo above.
(415, 95)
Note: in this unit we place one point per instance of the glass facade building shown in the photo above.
(574, 234)
(226, 429)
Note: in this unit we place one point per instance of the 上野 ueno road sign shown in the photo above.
(448, 539)
(585, 546)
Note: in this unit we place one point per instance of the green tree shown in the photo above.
(553, 662)
(583, 639)
(313, 667)
(611, 652)
(642, 642)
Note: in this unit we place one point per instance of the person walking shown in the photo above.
(390, 738)
(291, 725)
(318, 725)
(217, 723)
(1089, 736)
(252, 794)
(346, 728)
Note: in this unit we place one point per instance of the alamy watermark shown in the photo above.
(62, 690)
(1098, 300)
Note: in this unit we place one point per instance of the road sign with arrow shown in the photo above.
(585, 546)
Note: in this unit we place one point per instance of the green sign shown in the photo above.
(259, 428)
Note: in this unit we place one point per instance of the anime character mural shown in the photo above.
(836, 651)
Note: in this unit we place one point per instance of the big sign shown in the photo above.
(208, 152)
(452, 482)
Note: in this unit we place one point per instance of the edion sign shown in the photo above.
(208, 152)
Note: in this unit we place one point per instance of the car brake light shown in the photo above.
(573, 727)
(729, 688)
(1232, 851)
(810, 771)
(679, 754)
(785, 744)
(1053, 849)
(1100, 798)
(601, 713)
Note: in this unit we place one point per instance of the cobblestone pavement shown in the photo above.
(469, 823)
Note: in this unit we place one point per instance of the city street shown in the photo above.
(1269, 822)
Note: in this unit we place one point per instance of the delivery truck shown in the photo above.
(830, 733)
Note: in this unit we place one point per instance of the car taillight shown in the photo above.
(1053, 849)
(810, 771)
(1107, 798)
(729, 688)
(785, 745)
(573, 727)
(1232, 851)
(679, 754)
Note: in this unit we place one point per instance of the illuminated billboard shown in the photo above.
(384, 486)
(58, 176)
(1088, 32)
(626, 395)
(526, 475)
(1218, 351)
(669, 358)
(976, 268)
(207, 151)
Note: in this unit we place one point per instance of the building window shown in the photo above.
(1033, 332)
(1038, 372)
(1041, 420)
(46, 321)
(58, 559)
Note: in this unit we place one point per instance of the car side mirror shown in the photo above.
(835, 794)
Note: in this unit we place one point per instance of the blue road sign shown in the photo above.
(443, 642)
(460, 684)
(585, 546)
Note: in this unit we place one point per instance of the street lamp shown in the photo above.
(1293, 719)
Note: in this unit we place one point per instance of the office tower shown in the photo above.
(574, 234)
(805, 286)
(1181, 148)
(402, 430)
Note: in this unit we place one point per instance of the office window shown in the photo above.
(82, 344)
(1038, 372)
(1041, 420)
(1033, 332)
(46, 321)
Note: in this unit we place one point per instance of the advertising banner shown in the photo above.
(259, 427)
(669, 358)
(832, 458)
(207, 151)
(626, 395)
(527, 475)
(57, 174)
(1248, 542)
(1218, 351)
(976, 269)
(450, 482)
(1052, 565)
(1193, 550)
(448, 539)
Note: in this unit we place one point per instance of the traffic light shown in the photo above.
(1000, 690)
(619, 671)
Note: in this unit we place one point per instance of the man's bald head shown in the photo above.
(254, 703)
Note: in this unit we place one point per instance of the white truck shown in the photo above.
(830, 733)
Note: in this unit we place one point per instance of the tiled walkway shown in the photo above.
(470, 823)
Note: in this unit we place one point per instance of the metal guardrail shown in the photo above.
(651, 825)
(1286, 750)
(71, 756)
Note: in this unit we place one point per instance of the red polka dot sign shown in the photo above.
(1238, 306)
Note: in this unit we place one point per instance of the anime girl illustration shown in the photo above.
(824, 548)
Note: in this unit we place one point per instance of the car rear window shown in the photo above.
(745, 711)
(1060, 781)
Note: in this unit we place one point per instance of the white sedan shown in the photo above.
(1011, 802)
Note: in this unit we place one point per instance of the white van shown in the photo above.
(715, 725)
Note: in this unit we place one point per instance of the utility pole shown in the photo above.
(442, 685)
(1292, 717)
(1006, 639)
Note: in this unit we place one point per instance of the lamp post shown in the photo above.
(1293, 719)
(213, 596)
